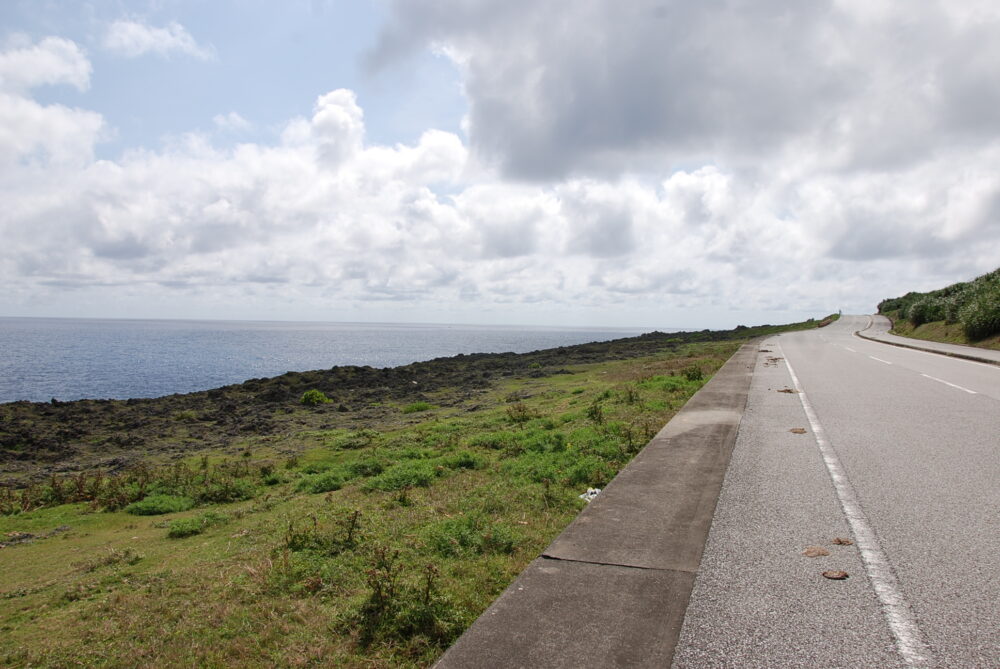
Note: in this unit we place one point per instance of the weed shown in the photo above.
(323, 482)
(472, 533)
(330, 537)
(187, 527)
(126, 556)
(693, 373)
(156, 505)
(519, 413)
(403, 475)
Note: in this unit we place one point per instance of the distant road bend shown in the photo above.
(895, 450)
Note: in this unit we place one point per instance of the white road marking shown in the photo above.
(953, 385)
(850, 349)
(898, 614)
(880, 359)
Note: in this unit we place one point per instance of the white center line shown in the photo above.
(880, 359)
(898, 614)
(953, 385)
(850, 349)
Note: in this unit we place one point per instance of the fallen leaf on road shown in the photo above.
(841, 541)
(764, 350)
(787, 390)
(835, 575)
(815, 551)
(798, 430)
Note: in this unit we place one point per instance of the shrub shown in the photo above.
(188, 527)
(925, 310)
(311, 398)
(403, 475)
(418, 406)
(693, 373)
(226, 490)
(155, 505)
(322, 482)
(463, 460)
(366, 467)
(980, 317)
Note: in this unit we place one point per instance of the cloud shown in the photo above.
(51, 61)
(323, 218)
(649, 85)
(131, 38)
(35, 134)
(231, 122)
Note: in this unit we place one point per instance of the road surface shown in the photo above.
(897, 451)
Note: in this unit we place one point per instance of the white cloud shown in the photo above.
(133, 38)
(35, 135)
(231, 122)
(51, 61)
(323, 219)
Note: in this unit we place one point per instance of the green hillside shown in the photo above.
(964, 313)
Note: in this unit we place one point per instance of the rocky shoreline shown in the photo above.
(38, 439)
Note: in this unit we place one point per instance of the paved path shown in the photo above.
(878, 327)
(899, 451)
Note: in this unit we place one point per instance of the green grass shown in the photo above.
(940, 331)
(374, 544)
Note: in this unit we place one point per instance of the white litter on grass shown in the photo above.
(590, 494)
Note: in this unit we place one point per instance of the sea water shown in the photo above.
(67, 359)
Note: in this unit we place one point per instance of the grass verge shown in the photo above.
(372, 543)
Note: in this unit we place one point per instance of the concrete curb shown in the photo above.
(612, 589)
(925, 349)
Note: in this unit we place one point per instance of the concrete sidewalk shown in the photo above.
(613, 588)
(879, 328)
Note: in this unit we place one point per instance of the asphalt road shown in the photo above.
(898, 451)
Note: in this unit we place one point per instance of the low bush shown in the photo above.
(926, 310)
(225, 491)
(404, 475)
(323, 482)
(155, 505)
(188, 527)
(980, 317)
(463, 460)
(311, 398)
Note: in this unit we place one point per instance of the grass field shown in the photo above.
(366, 547)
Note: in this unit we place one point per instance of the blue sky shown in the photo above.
(656, 163)
(265, 61)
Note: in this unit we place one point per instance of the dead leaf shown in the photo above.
(787, 390)
(764, 350)
(835, 575)
(841, 541)
(815, 551)
(798, 430)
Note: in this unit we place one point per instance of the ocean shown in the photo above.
(68, 358)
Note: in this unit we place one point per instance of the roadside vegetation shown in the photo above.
(962, 313)
(345, 533)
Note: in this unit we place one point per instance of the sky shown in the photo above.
(651, 163)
